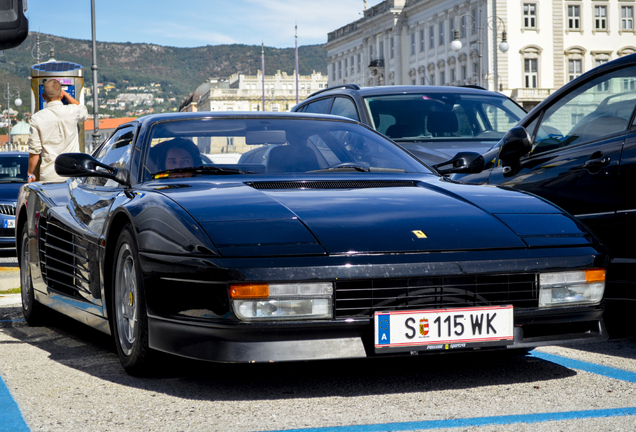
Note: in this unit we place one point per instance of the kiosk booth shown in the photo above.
(70, 76)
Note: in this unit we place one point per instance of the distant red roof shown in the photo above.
(110, 123)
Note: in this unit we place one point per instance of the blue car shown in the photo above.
(13, 174)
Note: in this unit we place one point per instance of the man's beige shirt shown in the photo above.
(53, 132)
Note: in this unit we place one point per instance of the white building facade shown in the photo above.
(242, 92)
(549, 43)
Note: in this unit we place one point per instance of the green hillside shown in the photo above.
(179, 70)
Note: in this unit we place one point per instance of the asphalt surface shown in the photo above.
(65, 376)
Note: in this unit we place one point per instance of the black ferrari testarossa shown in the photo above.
(253, 237)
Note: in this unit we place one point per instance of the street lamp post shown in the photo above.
(456, 44)
(9, 93)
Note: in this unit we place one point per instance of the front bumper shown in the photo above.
(189, 313)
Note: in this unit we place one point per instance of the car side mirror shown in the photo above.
(463, 162)
(85, 165)
(515, 143)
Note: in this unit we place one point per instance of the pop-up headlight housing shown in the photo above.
(273, 302)
(571, 288)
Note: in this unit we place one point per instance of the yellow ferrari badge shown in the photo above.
(419, 234)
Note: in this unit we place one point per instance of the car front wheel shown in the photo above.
(128, 303)
(32, 310)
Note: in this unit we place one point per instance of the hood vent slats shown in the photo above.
(332, 184)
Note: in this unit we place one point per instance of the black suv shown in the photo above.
(433, 123)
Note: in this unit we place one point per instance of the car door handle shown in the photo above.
(597, 163)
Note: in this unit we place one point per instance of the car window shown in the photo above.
(596, 109)
(319, 107)
(115, 152)
(13, 168)
(442, 116)
(344, 107)
(267, 145)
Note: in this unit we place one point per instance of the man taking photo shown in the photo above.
(54, 131)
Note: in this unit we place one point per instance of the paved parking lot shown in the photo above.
(66, 376)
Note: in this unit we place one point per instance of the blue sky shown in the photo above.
(191, 23)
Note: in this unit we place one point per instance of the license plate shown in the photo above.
(444, 328)
(9, 223)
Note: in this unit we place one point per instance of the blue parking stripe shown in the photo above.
(15, 320)
(10, 416)
(605, 371)
(475, 422)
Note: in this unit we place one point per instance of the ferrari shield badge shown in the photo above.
(419, 234)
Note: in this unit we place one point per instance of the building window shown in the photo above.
(381, 53)
(413, 81)
(627, 18)
(576, 118)
(333, 70)
(423, 81)
(600, 17)
(604, 86)
(432, 79)
(359, 63)
(346, 67)
(442, 78)
(474, 28)
(574, 69)
(462, 26)
(412, 43)
(530, 15)
(340, 70)
(441, 34)
(629, 84)
(371, 52)
(392, 47)
(422, 41)
(531, 74)
(463, 73)
(431, 37)
(574, 17)
(452, 71)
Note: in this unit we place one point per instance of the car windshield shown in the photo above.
(270, 146)
(13, 169)
(443, 116)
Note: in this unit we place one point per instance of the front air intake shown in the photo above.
(335, 184)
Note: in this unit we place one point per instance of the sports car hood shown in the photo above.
(339, 217)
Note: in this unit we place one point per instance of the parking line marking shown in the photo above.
(606, 371)
(476, 421)
(11, 419)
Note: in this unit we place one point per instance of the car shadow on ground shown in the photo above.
(77, 346)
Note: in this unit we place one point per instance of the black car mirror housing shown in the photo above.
(515, 143)
(84, 165)
(463, 162)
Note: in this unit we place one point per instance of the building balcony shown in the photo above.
(530, 94)
(377, 63)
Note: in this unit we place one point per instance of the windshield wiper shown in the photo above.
(204, 169)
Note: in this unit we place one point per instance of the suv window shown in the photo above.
(319, 107)
(596, 109)
(344, 107)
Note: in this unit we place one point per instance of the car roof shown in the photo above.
(403, 89)
(237, 115)
(14, 153)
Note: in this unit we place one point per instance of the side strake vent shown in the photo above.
(63, 260)
(337, 184)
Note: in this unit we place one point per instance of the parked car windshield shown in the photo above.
(13, 169)
(443, 116)
(269, 145)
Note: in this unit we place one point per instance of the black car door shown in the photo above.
(82, 223)
(576, 152)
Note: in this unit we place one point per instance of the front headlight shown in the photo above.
(571, 288)
(297, 301)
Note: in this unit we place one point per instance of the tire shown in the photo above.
(34, 312)
(128, 307)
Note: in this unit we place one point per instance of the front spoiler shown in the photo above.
(217, 344)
